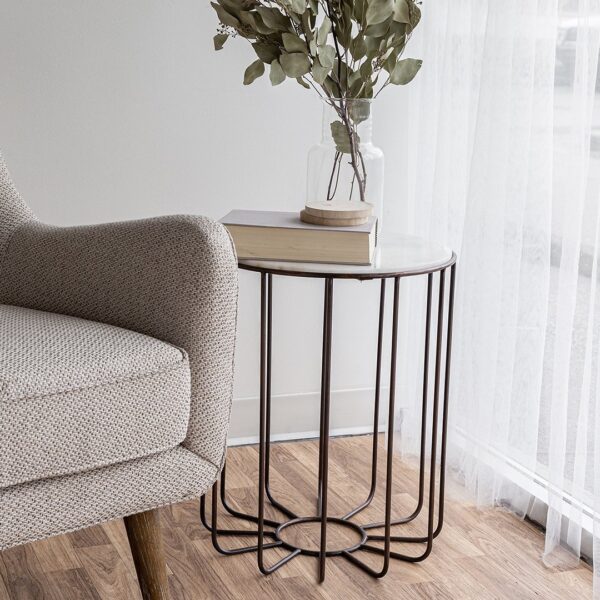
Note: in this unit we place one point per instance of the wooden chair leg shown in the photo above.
(145, 541)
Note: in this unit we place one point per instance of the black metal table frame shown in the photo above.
(264, 489)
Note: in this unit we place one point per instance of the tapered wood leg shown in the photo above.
(145, 541)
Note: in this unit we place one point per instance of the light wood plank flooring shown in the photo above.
(479, 555)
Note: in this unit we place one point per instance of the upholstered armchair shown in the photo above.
(116, 367)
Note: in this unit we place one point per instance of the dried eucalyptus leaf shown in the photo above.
(293, 43)
(359, 111)
(224, 16)
(323, 32)
(297, 6)
(219, 40)
(331, 87)
(344, 26)
(390, 62)
(367, 91)
(415, 14)
(233, 7)
(276, 75)
(379, 10)
(372, 45)
(319, 72)
(303, 83)
(327, 56)
(295, 64)
(378, 30)
(354, 77)
(254, 20)
(366, 69)
(313, 47)
(405, 70)
(341, 137)
(358, 47)
(355, 83)
(274, 18)
(401, 11)
(254, 71)
(266, 52)
(359, 10)
(314, 6)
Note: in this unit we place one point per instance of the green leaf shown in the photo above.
(323, 32)
(276, 75)
(378, 30)
(219, 40)
(266, 52)
(332, 87)
(297, 6)
(358, 47)
(372, 45)
(254, 21)
(254, 71)
(359, 111)
(379, 10)
(391, 60)
(224, 16)
(319, 72)
(292, 43)
(358, 10)
(405, 70)
(366, 69)
(295, 64)
(233, 7)
(355, 83)
(401, 12)
(367, 91)
(274, 18)
(415, 15)
(341, 137)
(327, 56)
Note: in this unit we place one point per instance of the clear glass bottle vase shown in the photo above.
(345, 165)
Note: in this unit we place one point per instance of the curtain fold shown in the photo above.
(504, 167)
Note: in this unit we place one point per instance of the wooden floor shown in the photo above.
(480, 554)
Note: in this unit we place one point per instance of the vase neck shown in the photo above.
(356, 113)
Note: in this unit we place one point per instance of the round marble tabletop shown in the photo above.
(402, 255)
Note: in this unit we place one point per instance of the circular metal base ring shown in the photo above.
(310, 552)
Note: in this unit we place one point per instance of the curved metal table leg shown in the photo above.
(323, 518)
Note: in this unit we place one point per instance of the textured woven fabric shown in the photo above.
(13, 211)
(40, 509)
(171, 278)
(76, 395)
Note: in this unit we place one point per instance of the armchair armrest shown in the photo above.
(173, 278)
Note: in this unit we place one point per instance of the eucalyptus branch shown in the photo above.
(291, 38)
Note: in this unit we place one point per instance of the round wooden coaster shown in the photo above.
(339, 210)
(307, 217)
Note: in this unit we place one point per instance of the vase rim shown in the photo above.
(328, 100)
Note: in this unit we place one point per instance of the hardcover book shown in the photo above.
(274, 235)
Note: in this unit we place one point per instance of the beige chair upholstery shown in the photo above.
(116, 366)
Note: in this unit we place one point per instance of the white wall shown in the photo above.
(118, 110)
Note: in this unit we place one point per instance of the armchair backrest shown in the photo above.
(13, 211)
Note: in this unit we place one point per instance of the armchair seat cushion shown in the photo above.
(76, 395)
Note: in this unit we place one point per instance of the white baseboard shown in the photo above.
(296, 416)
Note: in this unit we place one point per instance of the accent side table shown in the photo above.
(407, 257)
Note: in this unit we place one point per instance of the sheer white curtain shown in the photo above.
(504, 166)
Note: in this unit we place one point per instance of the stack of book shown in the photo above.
(272, 235)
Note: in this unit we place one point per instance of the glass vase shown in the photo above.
(345, 166)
